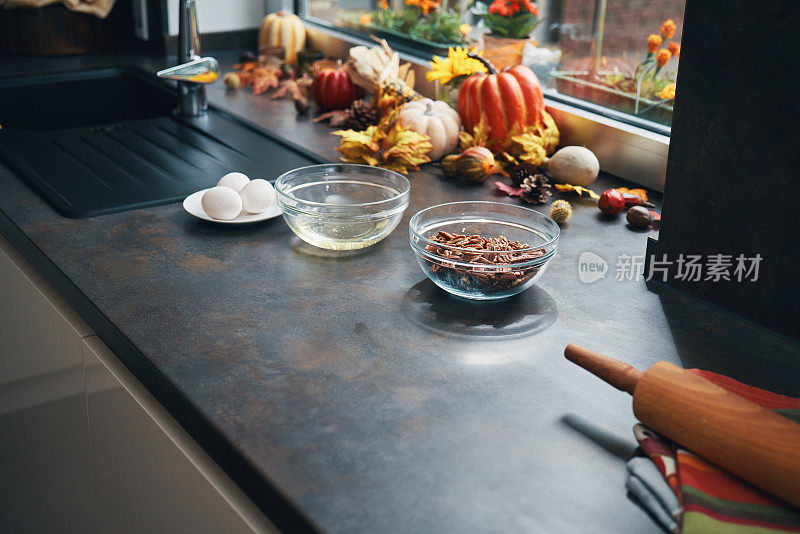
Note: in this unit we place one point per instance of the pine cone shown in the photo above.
(536, 189)
(518, 173)
(361, 115)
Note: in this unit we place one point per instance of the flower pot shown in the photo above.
(503, 51)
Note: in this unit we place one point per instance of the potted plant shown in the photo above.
(424, 22)
(510, 24)
(646, 91)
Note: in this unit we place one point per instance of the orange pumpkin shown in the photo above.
(507, 99)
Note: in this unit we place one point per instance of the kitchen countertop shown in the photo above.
(348, 393)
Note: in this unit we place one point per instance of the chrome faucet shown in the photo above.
(194, 71)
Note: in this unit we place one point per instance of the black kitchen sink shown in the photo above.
(102, 141)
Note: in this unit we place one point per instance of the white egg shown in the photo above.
(234, 180)
(257, 196)
(222, 203)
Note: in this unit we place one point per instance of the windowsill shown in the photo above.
(631, 152)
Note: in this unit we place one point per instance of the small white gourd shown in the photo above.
(435, 119)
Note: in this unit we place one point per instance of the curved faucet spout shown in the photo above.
(193, 72)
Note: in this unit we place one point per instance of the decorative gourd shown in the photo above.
(574, 165)
(435, 119)
(510, 100)
(283, 29)
(473, 165)
(333, 89)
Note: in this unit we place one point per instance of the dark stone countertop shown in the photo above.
(349, 394)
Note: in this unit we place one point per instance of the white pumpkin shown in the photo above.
(283, 29)
(435, 119)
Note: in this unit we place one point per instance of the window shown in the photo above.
(609, 55)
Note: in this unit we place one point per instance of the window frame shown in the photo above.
(627, 146)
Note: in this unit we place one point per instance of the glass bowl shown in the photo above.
(341, 206)
(458, 267)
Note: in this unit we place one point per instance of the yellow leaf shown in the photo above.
(566, 188)
(405, 149)
(530, 147)
(478, 137)
(361, 147)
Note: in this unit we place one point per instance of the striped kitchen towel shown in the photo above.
(714, 500)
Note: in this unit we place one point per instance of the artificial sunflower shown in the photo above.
(456, 64)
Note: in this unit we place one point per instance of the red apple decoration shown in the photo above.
(611, 202)
(508, 99)
(333, 89)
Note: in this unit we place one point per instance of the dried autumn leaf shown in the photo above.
(566, 188)
(264, 79)
(405, 149)
(246, 66)
(509, 189)
(361, 147)
(529, 147)
(550, 133)
(656, 224)
(478, 137)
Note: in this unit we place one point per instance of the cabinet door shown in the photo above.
(150, 476)
(44, 434)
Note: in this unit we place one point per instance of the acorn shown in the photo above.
(639, 216)
(560, 211)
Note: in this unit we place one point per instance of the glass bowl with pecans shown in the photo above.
(483, 250)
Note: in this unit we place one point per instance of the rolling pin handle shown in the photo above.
(620, 375)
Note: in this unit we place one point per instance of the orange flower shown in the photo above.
(663, 56)
(674, 49)
(668, 29)
(365, 19)
(509, 8)
(425, 5)
(499, 7)
(653, 42)
(530, 7)
(383, 4)
(667, 93)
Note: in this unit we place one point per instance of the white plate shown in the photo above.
(193, 205)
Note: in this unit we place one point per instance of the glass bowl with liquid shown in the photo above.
(340, 206)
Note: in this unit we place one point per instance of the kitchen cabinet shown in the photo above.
(44, 436)
(84, 447)
(150, 475)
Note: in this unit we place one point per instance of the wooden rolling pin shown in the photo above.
(747, 440)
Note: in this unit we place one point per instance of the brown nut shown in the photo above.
(232, 80)
(639, 217)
